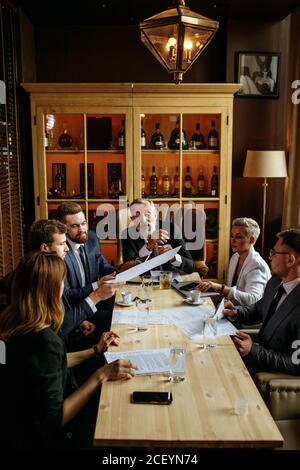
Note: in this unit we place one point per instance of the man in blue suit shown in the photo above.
(87, 268)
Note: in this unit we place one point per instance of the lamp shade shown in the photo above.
(177, 36)
(265, 164)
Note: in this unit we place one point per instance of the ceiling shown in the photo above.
(93, 12)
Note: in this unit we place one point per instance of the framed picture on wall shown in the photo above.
(258, 74)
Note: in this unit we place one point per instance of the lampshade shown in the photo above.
(265, 164)
(177, 36)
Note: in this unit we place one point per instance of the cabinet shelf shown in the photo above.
(111, 151)
(185, 152)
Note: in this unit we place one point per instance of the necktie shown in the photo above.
(273, 305)
(84, 264)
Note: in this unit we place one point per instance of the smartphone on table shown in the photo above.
(154, 398)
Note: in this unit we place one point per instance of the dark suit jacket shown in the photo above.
(74, 291)
(132, 247)
(274, 348)
(74, 315)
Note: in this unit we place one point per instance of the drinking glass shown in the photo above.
(210, 332)
(165, 280)
(142, 319)
(177, 358)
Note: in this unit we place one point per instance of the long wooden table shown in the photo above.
(202, 413)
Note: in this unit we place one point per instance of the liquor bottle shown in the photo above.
(143, 137)
(166, 182)
(65, 140)
(59, 180)
(214, 183)
(143, 184)
(46, 140)
(198, 141)
(121, 136)
(157, 139)
(176, 186)
(187, 183)
(201, 183)
(153, 183)
(175, 137)
(213, 138)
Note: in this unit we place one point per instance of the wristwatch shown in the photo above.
(97, 352)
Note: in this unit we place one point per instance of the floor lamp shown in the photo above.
(265, 164)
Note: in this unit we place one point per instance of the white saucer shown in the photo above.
(189, 301)
(122, 304)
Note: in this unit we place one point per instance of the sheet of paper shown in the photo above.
(130, 317)
(219, 312)
(148, 361)
(225, 327)
(145, 266)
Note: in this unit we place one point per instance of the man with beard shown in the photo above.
(50, 236)
(87, 268)
(278, 311)
(148, 237)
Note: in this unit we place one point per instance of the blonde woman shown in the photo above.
(248, 272)
(38, 401)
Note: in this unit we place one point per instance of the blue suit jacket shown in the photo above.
(74, 291)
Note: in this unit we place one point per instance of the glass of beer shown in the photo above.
(165, 280)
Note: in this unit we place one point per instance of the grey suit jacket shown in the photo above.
(274, 349)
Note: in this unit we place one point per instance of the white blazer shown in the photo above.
(252, 279)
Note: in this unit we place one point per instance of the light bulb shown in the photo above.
(171, 47)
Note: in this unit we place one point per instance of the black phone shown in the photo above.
(156, 398)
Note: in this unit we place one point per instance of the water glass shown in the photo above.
(142, 318)
(177, 357)
(146, 288)
(210, 332)
(126, 297)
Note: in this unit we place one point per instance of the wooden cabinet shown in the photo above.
(88, 146)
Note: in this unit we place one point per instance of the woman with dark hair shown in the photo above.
(38, 400)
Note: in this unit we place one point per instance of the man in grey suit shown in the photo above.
(278, 311)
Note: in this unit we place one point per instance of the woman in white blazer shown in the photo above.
(248, 272)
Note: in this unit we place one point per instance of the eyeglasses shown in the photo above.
(274, 252)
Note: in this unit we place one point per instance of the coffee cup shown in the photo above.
(195, 296)
(126, 297)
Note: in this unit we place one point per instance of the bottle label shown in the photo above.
(46, 142)
(121, 141)
(213, 192)
(201, 185)
(213, 142)
(166, 186)
(158, 143)
(177, 141)
(188, 185)
(143, 141)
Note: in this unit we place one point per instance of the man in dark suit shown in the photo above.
(146, 236)
(50, 236)
(278, 311)
(87, 268)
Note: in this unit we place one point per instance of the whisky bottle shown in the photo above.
(121, 136)
(213, 138)
(174, 140)
(157, 139)
(59, 180)
(176, 186)
(187, 183)
(153, 183)
(46, 140)
(143, 137)
(214, 183)
(143, 184)
(65, 140)
(201, 183)
(166, 182)
(198, 141)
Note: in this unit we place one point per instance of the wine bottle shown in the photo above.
(143, 137)
(214, 183)
(153, 182)
(166, 182)
(121, 136)
(201, 183)
(198, 141)
(59, 180)
(46, 140)
(65, 140)
(213, 138)
(176, 182)
(187, 183)
(157, 139)
(174, 140)
(143, 184)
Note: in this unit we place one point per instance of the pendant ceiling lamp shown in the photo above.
(177, 36)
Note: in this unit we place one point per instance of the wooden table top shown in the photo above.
(202, 412)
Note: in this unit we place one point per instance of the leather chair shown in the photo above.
(281, 393)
